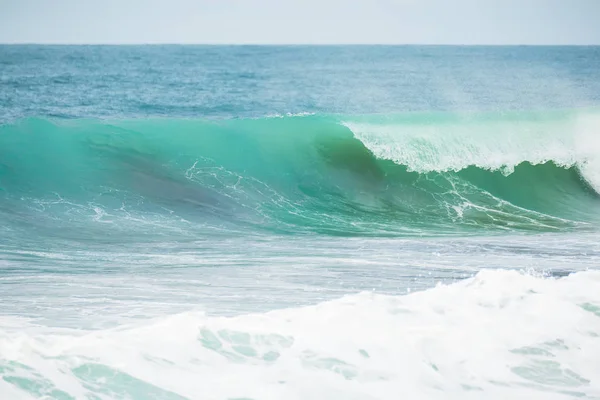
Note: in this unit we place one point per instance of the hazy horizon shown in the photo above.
(295, 22)
(99, 44)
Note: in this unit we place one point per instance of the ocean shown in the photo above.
(299, 222)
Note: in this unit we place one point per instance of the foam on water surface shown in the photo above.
(498, 335)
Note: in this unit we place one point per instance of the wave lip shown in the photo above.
(343, 175)
(447, 142)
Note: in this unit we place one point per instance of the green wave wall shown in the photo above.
(422, 174)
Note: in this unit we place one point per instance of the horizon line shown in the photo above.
(33, 43)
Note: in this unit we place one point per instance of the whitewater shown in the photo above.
(311, 223)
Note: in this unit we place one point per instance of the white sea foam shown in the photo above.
(500, 144)
(499, 335)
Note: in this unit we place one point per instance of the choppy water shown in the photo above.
(299, 222)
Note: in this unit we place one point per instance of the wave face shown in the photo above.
(410, 174)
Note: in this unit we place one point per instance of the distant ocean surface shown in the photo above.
(269, 223)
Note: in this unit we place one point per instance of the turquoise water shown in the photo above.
(189, 222)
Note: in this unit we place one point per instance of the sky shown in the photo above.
(300, 21)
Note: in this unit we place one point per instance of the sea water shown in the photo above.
(367, 222)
